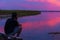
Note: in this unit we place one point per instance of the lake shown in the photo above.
(37, 27)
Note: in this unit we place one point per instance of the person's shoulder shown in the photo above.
(9, 19)
(20, 24)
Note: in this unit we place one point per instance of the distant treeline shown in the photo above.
(20, 12)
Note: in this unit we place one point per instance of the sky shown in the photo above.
(30, 4)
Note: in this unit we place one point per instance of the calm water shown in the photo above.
(37, 27)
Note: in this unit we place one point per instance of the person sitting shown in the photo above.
(12, 26)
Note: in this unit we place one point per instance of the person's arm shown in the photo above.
(20, 25)
(7, 22)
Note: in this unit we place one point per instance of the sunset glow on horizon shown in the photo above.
(55, 2)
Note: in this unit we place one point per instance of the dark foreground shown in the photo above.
(15, 39)
(4, 37)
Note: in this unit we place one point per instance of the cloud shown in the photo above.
(29, 5)
(55, 2)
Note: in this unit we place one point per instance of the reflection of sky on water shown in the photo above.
(37, 27)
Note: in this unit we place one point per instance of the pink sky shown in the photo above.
(30, 4)
(56, 2)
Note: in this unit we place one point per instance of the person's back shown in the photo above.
(10, 25)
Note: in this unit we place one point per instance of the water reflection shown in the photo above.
(37, 27)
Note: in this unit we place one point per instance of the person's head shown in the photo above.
(14, 16)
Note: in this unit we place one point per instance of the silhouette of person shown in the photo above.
(3, 37)
(12, 26)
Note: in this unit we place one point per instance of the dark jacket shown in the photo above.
(10, 25)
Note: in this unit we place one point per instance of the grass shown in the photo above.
(20, 12)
